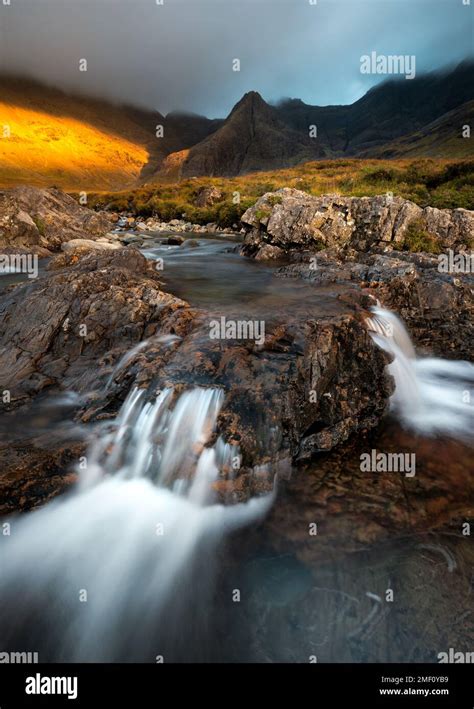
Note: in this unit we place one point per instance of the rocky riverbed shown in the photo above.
(316, 379)
(116, 308)
(358, 242)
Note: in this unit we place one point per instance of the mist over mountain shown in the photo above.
(179, 55)
(75, 141)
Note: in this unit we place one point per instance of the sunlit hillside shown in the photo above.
(49, 137)
(69, 153)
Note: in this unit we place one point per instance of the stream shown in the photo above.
(141, 562)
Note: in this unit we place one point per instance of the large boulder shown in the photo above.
(43, 219)
(290, 220)
(208, 196)
(317, 379)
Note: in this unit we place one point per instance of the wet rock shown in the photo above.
(131, 240)
(437, 307)
(190, 244)
(315, 379)
(314, 374)
(269, 252)
(80, 246)
(175, 240)
(86, 308)
(33, 475)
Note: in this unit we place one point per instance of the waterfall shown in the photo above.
(122, 568)
(432, 395)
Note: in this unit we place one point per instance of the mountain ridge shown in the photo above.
(79, 142)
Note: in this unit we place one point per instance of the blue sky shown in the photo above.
(179, 55)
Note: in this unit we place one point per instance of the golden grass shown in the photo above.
(45, 149)
(439, 183)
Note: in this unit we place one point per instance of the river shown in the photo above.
(141, 564)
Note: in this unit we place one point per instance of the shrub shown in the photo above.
(417, 238)
(383, 174)
(40, 225)
(275, 199)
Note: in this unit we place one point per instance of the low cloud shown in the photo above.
(179, 55)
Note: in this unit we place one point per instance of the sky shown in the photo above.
(179, 55)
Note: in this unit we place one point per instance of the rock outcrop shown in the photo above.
(41, 220)
(316, 378)
(356, 241)
(207, 196)
(290, 220)
(90, 306)
(437, 307)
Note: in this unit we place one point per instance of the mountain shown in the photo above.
(257, 136)
(253, 137)
(75, 142)
(388, 111)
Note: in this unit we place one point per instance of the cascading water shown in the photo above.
(122, 568)
(432, 395)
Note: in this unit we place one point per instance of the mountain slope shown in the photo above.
(385, 113)
(252, 138)
(79, 143)
(74, 142)
(441, 138)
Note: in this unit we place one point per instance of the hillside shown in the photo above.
(56, 139)
(442, 138)
(76, 142)
(427, 182)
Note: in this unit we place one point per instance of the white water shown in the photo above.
(432, 395)
(138, 539)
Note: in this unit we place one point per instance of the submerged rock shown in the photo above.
(175, 240)
(190, 244)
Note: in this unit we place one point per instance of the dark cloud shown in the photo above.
(179, 55)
